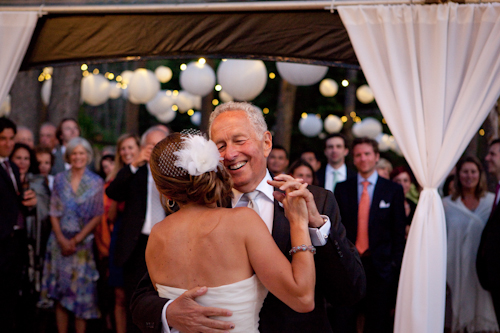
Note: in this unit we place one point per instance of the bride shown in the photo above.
(230, 251)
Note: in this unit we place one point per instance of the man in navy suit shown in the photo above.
(240, 133)
(336, 170)
(372, 210)
(488, 255)
(13, 241)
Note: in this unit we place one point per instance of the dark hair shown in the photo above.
(279, 147)
(336, 135)
(446, 186)
(310, 151)
(107, 157)
(45, 150)
(369, 141)
(208, 188)
(33, 161)
(481, 187)
(59, 128)
(300, 162)
(494, 142)
(399, 170)
(7, 123)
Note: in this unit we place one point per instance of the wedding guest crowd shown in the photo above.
(75, 241)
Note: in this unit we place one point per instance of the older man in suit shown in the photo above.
(372, 210)
(241, 135)
(488, 255)
(13, 242)
(135, 186)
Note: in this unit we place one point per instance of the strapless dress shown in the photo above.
(244, 298)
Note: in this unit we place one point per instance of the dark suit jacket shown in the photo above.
(133, 190)
(58, 162)
(386, 226)
(340, 279)
(320, 175)
(488, 255)
(10, 201)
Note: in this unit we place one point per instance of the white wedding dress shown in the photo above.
(244, 298)
(472, 306)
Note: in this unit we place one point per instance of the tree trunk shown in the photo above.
(26, 104)
(206, 105)
(350, 102)
(284, 115)
(65, 97)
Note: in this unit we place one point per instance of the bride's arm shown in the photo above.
(293, 283)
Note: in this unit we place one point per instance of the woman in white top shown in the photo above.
(226, 250)
(467, 211)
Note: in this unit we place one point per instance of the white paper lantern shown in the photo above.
(5, 107)
(242, 79)
(163, 74)
(364, 94)
(95, 89)
(196, 118)
(197, 78)
(357, 129)
(132, 100)
(127, 76)
(115, 91)
(161, 103)
(394, 146)
(311, 125)
(184, 101)
(46, 91)
(371, 127)
(167, 116)
(301, 74)
(383, 142)
(328, 88)
(225, 97)
(143, 85)
(333, 124)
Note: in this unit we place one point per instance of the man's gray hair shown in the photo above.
(151, 130)
(254, 115)
(75, 142)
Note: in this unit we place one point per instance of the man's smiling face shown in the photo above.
(244, 152)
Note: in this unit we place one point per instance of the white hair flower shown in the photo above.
(198, 155)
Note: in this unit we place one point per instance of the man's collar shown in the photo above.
(263, 187)
(3, 159)
(342, 170)
(372, 179)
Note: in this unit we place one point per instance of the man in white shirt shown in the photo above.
(241, 135)
(135, 186)
(335, 170)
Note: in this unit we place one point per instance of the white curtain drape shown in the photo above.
(16, 29)
(435, 74)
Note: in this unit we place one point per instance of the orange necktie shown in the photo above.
(363, 216)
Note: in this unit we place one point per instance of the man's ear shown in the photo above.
(267, 143)
(346, 152)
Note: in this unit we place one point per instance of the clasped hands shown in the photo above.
(294, 188)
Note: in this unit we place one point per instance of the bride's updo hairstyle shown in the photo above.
(178, 185)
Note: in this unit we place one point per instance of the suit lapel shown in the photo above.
(281, 228)
(377, 197)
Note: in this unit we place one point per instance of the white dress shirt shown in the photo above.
(371, 186)
(154, 210)
(341, 175)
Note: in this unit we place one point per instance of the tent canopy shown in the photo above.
(316, 36)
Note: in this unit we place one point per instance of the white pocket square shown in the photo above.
(384, 204)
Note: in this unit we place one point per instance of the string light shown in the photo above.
(304, 115)
(352, 114)
(345, 83)
(119, 78)
(357, 119)
(95, 71)
(84, 67)
(202, 61)
(272, 75)
(175, 107)
(85, 73)
(190, 112)
(384, 121)
(218, 87)
(183, 67)
(344, 119)
(215, 102)
(481, 132)
(265, 110)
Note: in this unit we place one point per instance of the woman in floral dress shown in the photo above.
(70, 274)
